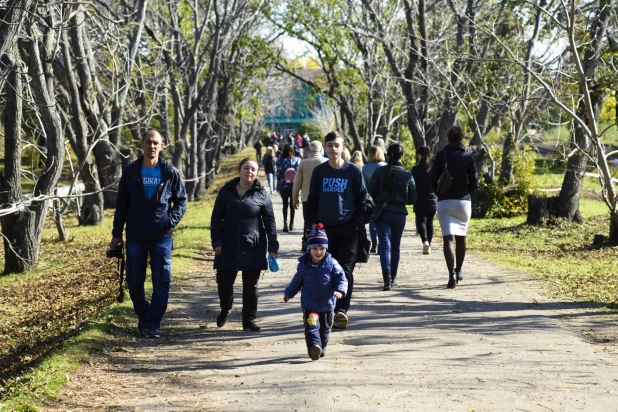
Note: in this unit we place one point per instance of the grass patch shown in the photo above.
(49, 370)
(561, 254)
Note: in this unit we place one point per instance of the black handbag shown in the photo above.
(364, 244)
(445, 180)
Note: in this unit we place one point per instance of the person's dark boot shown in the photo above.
(303, 248)
(459, 275)
(291, 226)
(250, 325)
(222, 318)
(386, 275)
(394, 281)
(285, 226)
(452, 281)
(374, 247)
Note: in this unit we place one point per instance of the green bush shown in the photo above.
(495, 201)
(311, 129)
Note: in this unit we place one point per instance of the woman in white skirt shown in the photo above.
(454, 206)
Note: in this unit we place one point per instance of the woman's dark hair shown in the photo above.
(247, 159)
(425, 153)
(288, 150)
(394, 153)
(455, 134)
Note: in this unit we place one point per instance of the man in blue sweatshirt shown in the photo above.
(335, 192)
(151, 202)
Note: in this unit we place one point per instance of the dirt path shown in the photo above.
(493, 344)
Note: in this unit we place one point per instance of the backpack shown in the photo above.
(290, 174)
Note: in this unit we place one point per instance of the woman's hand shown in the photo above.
(219, 250)
(274, 254)
(285, 298)
(338, 295)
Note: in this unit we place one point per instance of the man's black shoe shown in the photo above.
(250, 325)
(153, 333)
(222, 318)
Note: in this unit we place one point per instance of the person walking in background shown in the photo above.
(151, 202)
(322, 281)
(302, 181)
(306, 147)
(357, 159)
(287, 167)
(454, 206)
(242, 230)
(258, 150)
(425, 205)
(336, 192)
(270, 168)
(392, 188)
(375, 159)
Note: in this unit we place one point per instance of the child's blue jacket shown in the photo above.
(318, 282)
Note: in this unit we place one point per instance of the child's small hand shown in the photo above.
(285, 298)
(338, 295)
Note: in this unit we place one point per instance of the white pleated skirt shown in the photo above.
(454, 216)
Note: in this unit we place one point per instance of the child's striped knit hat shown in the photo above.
(317, 237)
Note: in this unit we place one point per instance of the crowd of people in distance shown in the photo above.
(335, 188)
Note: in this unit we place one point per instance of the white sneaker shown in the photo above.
(426, 248)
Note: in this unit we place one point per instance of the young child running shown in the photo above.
(322, 281)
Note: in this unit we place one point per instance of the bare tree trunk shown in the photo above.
(29, 226)
(506, 168)
(87, 170)
(570, 193)
(11, 22)
(15, 250)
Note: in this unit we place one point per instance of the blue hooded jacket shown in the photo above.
(318, 282)
(149, 219)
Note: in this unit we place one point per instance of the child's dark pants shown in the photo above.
(317, 327)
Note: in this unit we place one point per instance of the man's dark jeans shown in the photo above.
(343, 246)
(307, 226)
(317, 328)
(149, 314)
(225, 285)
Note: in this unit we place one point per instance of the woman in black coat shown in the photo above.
(454, 206)
(425, 205)
(242, 229)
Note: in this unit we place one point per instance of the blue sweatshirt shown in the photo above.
(335, 193)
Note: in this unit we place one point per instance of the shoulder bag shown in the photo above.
(445, 180)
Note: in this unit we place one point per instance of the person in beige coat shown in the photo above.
(302, 180)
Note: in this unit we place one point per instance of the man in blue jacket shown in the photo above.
(151, 202)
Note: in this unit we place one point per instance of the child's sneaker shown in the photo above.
(315, 352)
(341, 321)
(426, 248)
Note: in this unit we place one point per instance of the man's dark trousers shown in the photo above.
(343, 246)
(225, 286)
(307, 226)
(149, 314)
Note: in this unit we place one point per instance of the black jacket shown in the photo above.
(270, 164)
(401, 193)
(427, 199)
(149, 219)
(461, 166)
(244, 227)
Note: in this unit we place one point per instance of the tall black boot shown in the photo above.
(386, 275)
(452, 281)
